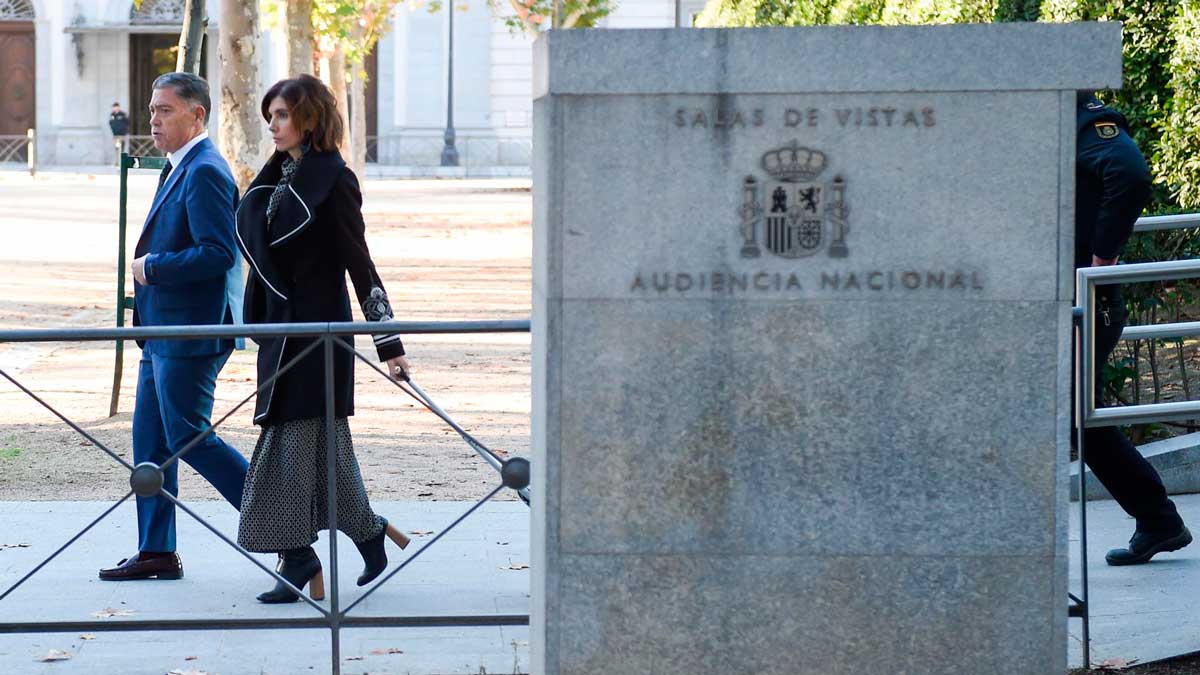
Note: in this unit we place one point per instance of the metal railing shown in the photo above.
(146, 478)
(143, 146)
(372, 150)
(20, 148)
(1175, 222)
(1087, 414)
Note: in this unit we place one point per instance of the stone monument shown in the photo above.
(801, 347)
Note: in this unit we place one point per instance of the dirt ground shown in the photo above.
(446, 250)
(1183, 665)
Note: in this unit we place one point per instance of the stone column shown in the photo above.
(838, 445)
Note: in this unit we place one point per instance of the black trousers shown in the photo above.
(1108, 453)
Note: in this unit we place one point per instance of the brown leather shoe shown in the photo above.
(142, 566)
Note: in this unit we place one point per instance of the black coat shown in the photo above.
(298, 268)
(1112, 182)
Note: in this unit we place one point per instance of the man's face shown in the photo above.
(173, 121)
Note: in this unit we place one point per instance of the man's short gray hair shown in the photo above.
(189, 87)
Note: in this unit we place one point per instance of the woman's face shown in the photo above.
(283, 132)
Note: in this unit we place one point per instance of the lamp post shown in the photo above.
(449, 152)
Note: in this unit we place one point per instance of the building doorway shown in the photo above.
(18, 75)
(151, 55)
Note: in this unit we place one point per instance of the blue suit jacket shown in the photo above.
(193, 268)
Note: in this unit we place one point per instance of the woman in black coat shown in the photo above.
(300, 226)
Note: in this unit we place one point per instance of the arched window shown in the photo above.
(157, 13)
(16, 10)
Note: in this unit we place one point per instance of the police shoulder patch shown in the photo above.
(1107, 130)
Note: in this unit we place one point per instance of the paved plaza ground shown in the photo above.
(480, 568)
(1141, 613)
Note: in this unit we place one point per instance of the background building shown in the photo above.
(64, 62)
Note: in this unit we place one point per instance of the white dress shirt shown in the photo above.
(182, 153)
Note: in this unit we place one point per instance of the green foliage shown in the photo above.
(1178, 157)
(887, 12)
(1018, 10)
(534, 16)
(10, 453)
(790, 12)
(354, 25)
(905, 12)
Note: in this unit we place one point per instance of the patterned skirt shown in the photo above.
(284, 503)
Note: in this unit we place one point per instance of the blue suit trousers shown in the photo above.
(174, 403)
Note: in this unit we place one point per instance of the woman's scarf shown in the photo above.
(289, 170)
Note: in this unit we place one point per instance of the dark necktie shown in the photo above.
(162, 178)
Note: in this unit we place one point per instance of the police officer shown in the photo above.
(1112, 186)
(118, 123)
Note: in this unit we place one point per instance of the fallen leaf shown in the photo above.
(4, 546)
(109, 611)
(420, 533)
(384, 652)
(55, 655)
(1115, 664)
(355, 658)
(190, 658)
(516, 566)
(87, 636)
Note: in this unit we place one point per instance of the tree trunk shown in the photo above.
(191, 38)
(241, 126)
(300, 41)
(337, 82)
(358, 110)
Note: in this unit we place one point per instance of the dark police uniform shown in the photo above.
(1112, 186)
(118, 123)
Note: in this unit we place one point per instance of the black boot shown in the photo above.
(374, 557)
(1145, 545)
(301, 566)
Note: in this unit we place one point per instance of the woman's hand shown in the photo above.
(399, 368)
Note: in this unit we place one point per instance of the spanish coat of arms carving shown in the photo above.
(793, 213)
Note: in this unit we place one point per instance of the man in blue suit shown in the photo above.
(186, 272)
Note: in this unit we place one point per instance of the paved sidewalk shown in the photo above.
(465, 573)
(1139, 613)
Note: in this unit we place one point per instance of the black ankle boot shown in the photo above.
(374, 557)
(301, 566)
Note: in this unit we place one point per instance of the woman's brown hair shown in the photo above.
(313, 110)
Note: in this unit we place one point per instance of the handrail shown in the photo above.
(314, 329)
(1172, 222)
(1086, 280)
(1086, 413)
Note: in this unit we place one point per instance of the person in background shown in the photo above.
(118, 123)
